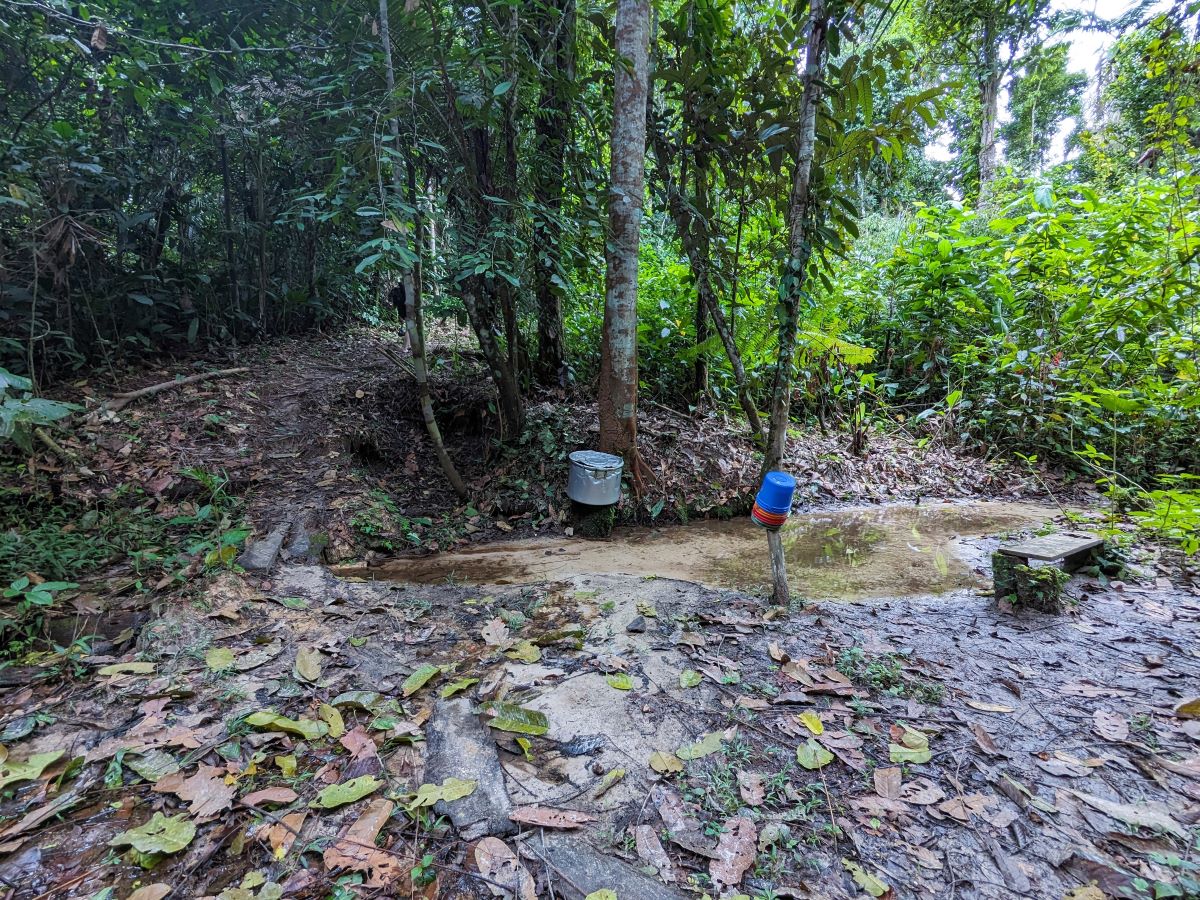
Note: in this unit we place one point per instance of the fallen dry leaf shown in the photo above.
(736, 849)
(151, 892)
(922, 792)
(990, 707)
(545, 817)
(650, 851)
(752, 787)
(961, 807)
(1110, 725)
(887, 782)
(270, 795)
(206, 791)
(283, 833)
(499, 864)
(1146, 814)
(356, 849)
(985, 741)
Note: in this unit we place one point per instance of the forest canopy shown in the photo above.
(177, 177)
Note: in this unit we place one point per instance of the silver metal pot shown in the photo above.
(595, 478)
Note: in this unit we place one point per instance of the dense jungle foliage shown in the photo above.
(184, 176)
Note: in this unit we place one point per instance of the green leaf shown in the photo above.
(218, 659)
(524, 651)
(913, 748)
(710, 743)
(812, 755)
(268, 720)
(153, 764)
(620, 681)
(129, 668)
(602, 894)
(689, 678)
(12, 771)
(502, 88)
(347, 792)
(449, 790)
(872, 884)
(456, 687)
(517, 719)
(159, 835)
(419, 679)
(665, 763)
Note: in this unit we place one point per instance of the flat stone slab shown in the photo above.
(1053, 547)
(576, 869)
(260, 555)
(459, 745)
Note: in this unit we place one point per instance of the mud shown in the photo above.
(849, 554)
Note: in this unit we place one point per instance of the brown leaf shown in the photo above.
(926, 858)
(364, 756)
(356, 849)
(270, 795)
(735, 852)
(206, 791)
(308, 664)
(752, 788)
(100, 42)
(150, 891)
(961, 807)
(650, 851)
(984, 740)
(497, 863)
(545, 817)
(887, 782)
(495, 633)
(1110, 725)
(283, 833)
(922, 792)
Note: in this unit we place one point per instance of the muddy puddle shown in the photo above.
(850, 554)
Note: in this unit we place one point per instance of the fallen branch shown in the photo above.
(55, 447)
(120, 401)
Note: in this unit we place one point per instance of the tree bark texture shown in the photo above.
(552, 134)
(618, 354)
(791, 287)
(989, 101)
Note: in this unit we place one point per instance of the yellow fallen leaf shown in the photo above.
(812, 722)
(1189, 709)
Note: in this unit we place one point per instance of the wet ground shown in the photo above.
(849, 554)
(930, 746)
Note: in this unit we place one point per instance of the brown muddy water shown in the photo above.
(848, 554)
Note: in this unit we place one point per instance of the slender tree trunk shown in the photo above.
(681, 216)
(618, 352)
(552, 130)
(700, 236)
(260, 211)
(415, 321)
(411, 280)
(791, 287)
(235, 301)
(989, 100)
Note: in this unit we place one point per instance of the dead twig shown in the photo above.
(120, 401)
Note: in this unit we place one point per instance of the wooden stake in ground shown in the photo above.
(781, 594)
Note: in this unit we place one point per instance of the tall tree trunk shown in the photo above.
(411, 279)
(791, 286)
(552, 133)
(260, 212)
(618, 350)
(415, 322)
(989, 100)
(700, 229)
(235, 301)
(681, 216)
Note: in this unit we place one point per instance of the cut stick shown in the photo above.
(120, 401)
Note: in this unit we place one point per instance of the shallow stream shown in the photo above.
(848, 554)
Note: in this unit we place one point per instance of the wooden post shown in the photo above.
(780, 594)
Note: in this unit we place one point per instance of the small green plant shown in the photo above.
(22, 616)
(21, 412)
(886, 674)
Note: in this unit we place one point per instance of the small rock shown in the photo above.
(637, 626)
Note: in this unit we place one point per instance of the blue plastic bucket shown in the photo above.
(775, 495)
